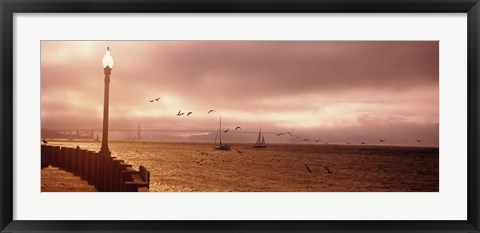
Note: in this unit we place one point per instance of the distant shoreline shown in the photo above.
(245, 143)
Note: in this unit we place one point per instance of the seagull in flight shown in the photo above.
(180, 113)
(308, 168)
(381, 140)
(156, 99)
(238, 127)
(226, 130)
(328, 170)
(188, 114)
(419, 140)
(200, 162)
(211, 110)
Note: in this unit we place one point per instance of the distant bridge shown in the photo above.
(83, 133)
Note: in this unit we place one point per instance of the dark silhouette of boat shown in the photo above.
(260, 141)
(220, 146)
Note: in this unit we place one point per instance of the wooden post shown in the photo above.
(107, 173)
(43, 156)
(103, 168)
(120, 180)
(115, 177)
(62, 155)
(75, 163)
(101, 172)
(91, 167)
(83, 164)
(145, 174)
(55, 155)
(68, 159)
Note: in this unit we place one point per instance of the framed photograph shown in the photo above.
(255, 116)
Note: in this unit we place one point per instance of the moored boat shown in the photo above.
(220, 146)
(260, 141)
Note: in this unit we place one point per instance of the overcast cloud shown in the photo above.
(339, 90)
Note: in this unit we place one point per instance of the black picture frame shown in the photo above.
(9, 7)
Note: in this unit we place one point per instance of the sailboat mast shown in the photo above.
(259, 134)
(220, 130)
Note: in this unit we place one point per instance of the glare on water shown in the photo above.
(279, 167)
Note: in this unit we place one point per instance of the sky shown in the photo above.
(334, 91)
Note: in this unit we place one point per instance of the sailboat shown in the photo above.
(221, 146)
(260, 141)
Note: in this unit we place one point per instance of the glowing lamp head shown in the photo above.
(107, 59)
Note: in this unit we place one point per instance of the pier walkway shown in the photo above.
(105, 172)
(57, 180)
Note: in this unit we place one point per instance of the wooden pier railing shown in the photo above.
(107, 173)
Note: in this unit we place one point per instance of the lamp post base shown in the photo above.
(105, 152)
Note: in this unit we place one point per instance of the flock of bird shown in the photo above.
(180, 113)
(200, 162)
(153, 100)
(319, 140)
(326, 168)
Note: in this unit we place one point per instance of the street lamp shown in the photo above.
(107, 69)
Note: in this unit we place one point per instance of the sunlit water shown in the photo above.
(281, 167)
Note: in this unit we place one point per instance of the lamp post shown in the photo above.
(107, 69)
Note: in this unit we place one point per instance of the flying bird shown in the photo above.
(306, 140)
(418, 140)
(289, 133)
(226, 130)
(180, 113)
(156, 99)
(44, 141)
(211, 110)
(363, 143)
(238, 127)
(188, 114)
(381, 140)
(328, 170)
(308, 168)
(280, 134)
(317, 140)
